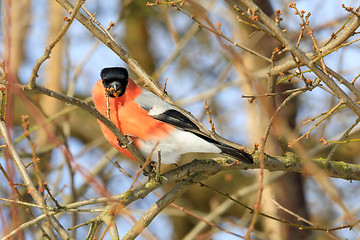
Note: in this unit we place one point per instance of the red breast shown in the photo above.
(129, 117)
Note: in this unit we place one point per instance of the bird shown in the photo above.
(151, 122)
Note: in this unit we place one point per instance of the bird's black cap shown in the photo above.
(114, 80)
(114, 73)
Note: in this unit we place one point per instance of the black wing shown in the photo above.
(179, 120)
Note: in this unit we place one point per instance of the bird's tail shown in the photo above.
(229, 151)
(235, 153)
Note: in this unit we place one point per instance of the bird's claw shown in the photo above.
(152, 169)
(130, 141)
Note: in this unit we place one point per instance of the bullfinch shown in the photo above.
(151, 122)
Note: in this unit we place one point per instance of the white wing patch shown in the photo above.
(152, 103)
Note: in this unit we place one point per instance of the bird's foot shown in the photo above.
(152, 169)
(153, 175)
(130, 141)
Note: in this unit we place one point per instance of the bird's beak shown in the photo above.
(116, 86)
(114, 89)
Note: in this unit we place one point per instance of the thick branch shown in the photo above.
(289, 163)
(207, 168)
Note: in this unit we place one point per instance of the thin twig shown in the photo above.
(345, 135)
(298, 226)
(305, 24)
(208, 223)
(108, 107)
(209, 115)
(159, 163)
(35, 159)
(52, 44)
(276, 112)
(225, 205)
(259, 193)
(298, 217)
(348, 31)
(28, 182)
(220, 34)
(51, 196)
(269, 23)
(342, 80)
(329, 113)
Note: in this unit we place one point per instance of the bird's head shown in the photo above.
(114, 80)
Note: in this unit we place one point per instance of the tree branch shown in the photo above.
(303, 58)
(348, 32)
(28, 182)
(207, 168)
(49, 48)
(163, 202)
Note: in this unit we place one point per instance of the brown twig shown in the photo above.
(52, 44)
(35, 159)
(277, 111)
(220, 34)
(121, 169)
(28, 182)
(164, 89)
(349, 85)
(351, 10)
(345, 135)
(334, 35)
(159, 163)
(287, 92)
(348, 31)
(108, 106)
(209, 115)
(210, 224)
(329, 113)
(259, 193)
(298, 226)
(305, 24)
(302, 57)
(51, 196)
